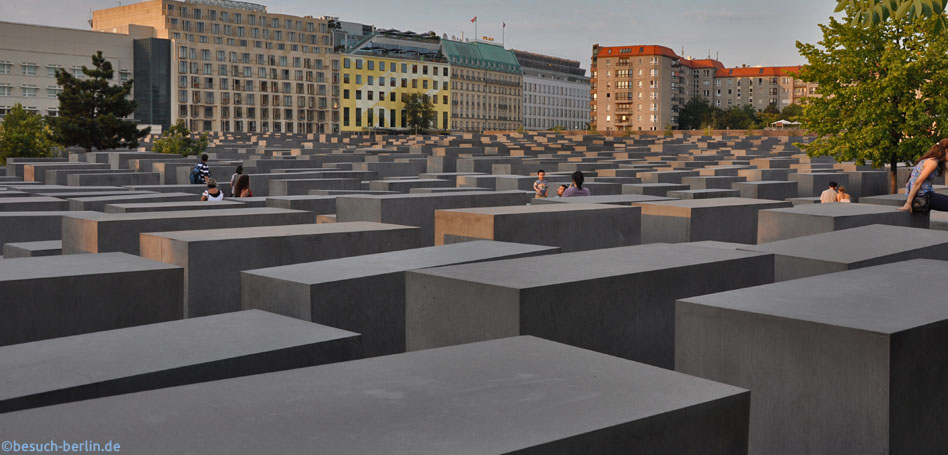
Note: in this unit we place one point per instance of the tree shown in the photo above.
(791, 112)
(695, 114)
(419, 112)
(92, 111)
(738, 118)
(23, 134)
(772, 109)
(884, 91)
(177, 140)
(868, 13)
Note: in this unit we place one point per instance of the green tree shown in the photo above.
(771, 109)
(884, 91)
(92, 111)
(737, 118)
(791, 112)
(419, 112)
(695, 114)
(869, 13)
(23, 134)
(177, 140)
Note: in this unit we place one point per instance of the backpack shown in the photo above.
(196, 174)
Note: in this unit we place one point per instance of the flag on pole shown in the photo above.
(505, 25)
(475, 19)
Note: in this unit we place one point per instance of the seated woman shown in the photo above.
(576, 189)
(212, 193)
(923, 176)
(842, 195)
(242, 187)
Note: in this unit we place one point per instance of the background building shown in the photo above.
(236, 67)
(346, 35)
(31, 54)
(379, 73)
(555, 92)
(642, 88)
(486, 86)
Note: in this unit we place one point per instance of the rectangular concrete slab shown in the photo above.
(619, 301)
(365, 294)
(849, 362)
(56, 296)
(32, 249)
(809, 219)
(854, 248)
(722, 219)
(418, 209)
(173, 206)
(103, 232)
(571, 227)
(515, 396)
(33, 226)
(98, 203)
(167, 354)
(213, 258)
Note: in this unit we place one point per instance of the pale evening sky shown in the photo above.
(752, 32)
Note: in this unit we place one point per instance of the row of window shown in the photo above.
(359, 117)
(380, 81)
(557, 113)
(51, 112)
(30, 91)
(258, 44)
(238, 18)
(242, 32)
(544, 89)
(31, 69)
(393, 67)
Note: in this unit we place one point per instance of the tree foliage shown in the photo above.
(419, 112)
(698, 113)
(868, 13)
(23, 134)
(884, 91)
(92, 111)
(177, 140)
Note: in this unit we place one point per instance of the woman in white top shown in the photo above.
(212, 193)
(842, 195)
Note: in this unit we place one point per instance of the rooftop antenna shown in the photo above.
(717, 55)
(709, 52)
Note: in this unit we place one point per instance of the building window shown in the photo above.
(29, 92)
(6, 90)
(29, 69)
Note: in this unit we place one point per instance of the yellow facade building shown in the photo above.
(381, 72)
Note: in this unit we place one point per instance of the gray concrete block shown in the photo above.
(32, 226)
(32, 204)
(167, 354)
(418, 209)
(297, 187)
(32, 249)
(703, 194)
(213, 258)
(520, 395)
(404, 185)
(773, 190)
(173, 206)
(803, 220)
(320, 205)
(853, 248)
(652, 189)
(98, 203)
(895, 200)
(115, 178)
(56, 296)
(103, 232)
(722, 219)
(571, 227)
(365, 294)
(611, 199)
(840, 363)
(618, 301)
(717, 182)
(667, 176)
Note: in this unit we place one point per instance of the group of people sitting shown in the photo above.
(575, 188)
(835, 193)
(239, 182)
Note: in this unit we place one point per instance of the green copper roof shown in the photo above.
(481, 55)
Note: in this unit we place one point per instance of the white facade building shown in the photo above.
(31, 54)
(555, 92)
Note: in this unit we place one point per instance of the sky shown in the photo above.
(738, 32)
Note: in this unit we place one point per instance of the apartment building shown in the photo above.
(555, 92)
(381, 71)
(486, 86)
(234, 66)
(30, 55)
(642, 88)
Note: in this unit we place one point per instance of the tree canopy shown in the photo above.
(177, 140)
(92, 111)
(698, 113)
(419, 112)
(23, 134)
(883, 91)
(869, 13)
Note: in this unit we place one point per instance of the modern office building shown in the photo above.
(383, 70)
(486, 86)
(642, 88)
(30, 55)
(346, 35)
(234, 66)
(555, 92)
